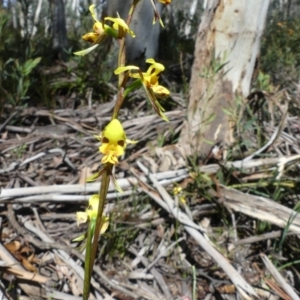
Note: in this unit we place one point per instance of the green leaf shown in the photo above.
(30, 64)
(133, 86)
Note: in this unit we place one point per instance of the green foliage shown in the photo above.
(16, 78)
(280, 56)
(31, 73)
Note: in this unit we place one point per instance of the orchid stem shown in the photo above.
(88, 266)
(91, 248)
(121, 63)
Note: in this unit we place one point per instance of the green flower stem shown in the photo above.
(88, 266)
(102, 198)
(92, 250)
(121, 63)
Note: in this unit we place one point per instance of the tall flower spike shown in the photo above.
(150, 83)
(113, 142)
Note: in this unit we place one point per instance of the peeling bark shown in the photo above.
(227, 46)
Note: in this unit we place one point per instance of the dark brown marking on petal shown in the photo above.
(121, 143)
(105, 140)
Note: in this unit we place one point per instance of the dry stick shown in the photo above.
(286, 287)
(164, 177)
(159, 278)
(262, 237)
(261, 208)
(168, 204)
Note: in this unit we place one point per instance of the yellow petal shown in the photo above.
(116, 184)
(155, 67)
(124, 69)
(90, 37)
(155, 104)
(110, 158)
(86, 51)
(116, 148)
(104, 224)
(177, 190)
(92, 10)
(114, 132)
(93, 177)
(131, 142)
(81, 217)
(79, 238)
(150, 61)
(120, 22)
(94, 202)
(182, 199)
(161, 91)
(99, 28)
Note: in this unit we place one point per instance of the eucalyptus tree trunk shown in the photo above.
(227, 46)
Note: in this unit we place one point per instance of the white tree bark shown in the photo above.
(229, 35)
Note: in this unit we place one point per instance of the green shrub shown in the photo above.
(280, 55)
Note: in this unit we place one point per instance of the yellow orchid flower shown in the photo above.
(150, 83)
(95, 37)
(113, 142)
(149, 78)
(91, 214)
(177, 191)
(101, 31)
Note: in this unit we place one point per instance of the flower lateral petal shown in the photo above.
(124, 69)
(92, 11)
(86, 51)
(81, 217)
(161, 91)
